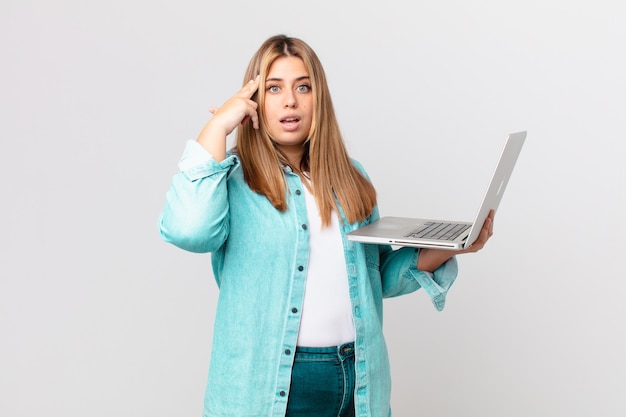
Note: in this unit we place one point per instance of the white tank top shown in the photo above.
(327, 310)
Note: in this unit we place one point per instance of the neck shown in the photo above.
(294, 155)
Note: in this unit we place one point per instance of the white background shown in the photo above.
(99, 317)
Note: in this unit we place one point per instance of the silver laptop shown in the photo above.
(427, 233)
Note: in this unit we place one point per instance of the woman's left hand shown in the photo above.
(485, 233)
(431, 259)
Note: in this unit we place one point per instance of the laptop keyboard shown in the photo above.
(436, 230)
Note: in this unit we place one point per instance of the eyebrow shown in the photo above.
(303, 77)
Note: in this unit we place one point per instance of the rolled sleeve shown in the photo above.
(196, 212)
(436, 284)
(400, 276)
(197, 162)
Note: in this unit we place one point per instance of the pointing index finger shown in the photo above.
(251, 87)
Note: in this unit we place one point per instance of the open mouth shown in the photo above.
(290, 124)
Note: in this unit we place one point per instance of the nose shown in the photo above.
(290, 101)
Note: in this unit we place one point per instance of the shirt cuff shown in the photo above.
(436, 284)
(197, 162)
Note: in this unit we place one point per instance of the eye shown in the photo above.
(304, 88)
(273, 89)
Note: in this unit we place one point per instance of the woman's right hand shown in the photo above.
(236, 110)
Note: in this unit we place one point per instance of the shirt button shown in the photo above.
(304, 226)
(287, 352)
(298, 192)
(300, 268)
(294, 310)
(282, 393)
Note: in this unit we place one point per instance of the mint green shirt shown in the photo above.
(260, 257)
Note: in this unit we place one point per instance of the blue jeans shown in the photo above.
(322, 382)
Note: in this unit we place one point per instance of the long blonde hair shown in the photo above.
(333, 176)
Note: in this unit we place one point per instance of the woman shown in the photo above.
(298, 329)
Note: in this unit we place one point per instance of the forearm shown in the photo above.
(430, 259)
(213, 139)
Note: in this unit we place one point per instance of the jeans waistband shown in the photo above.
(343, 351)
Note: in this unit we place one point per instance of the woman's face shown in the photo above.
(288, 104)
